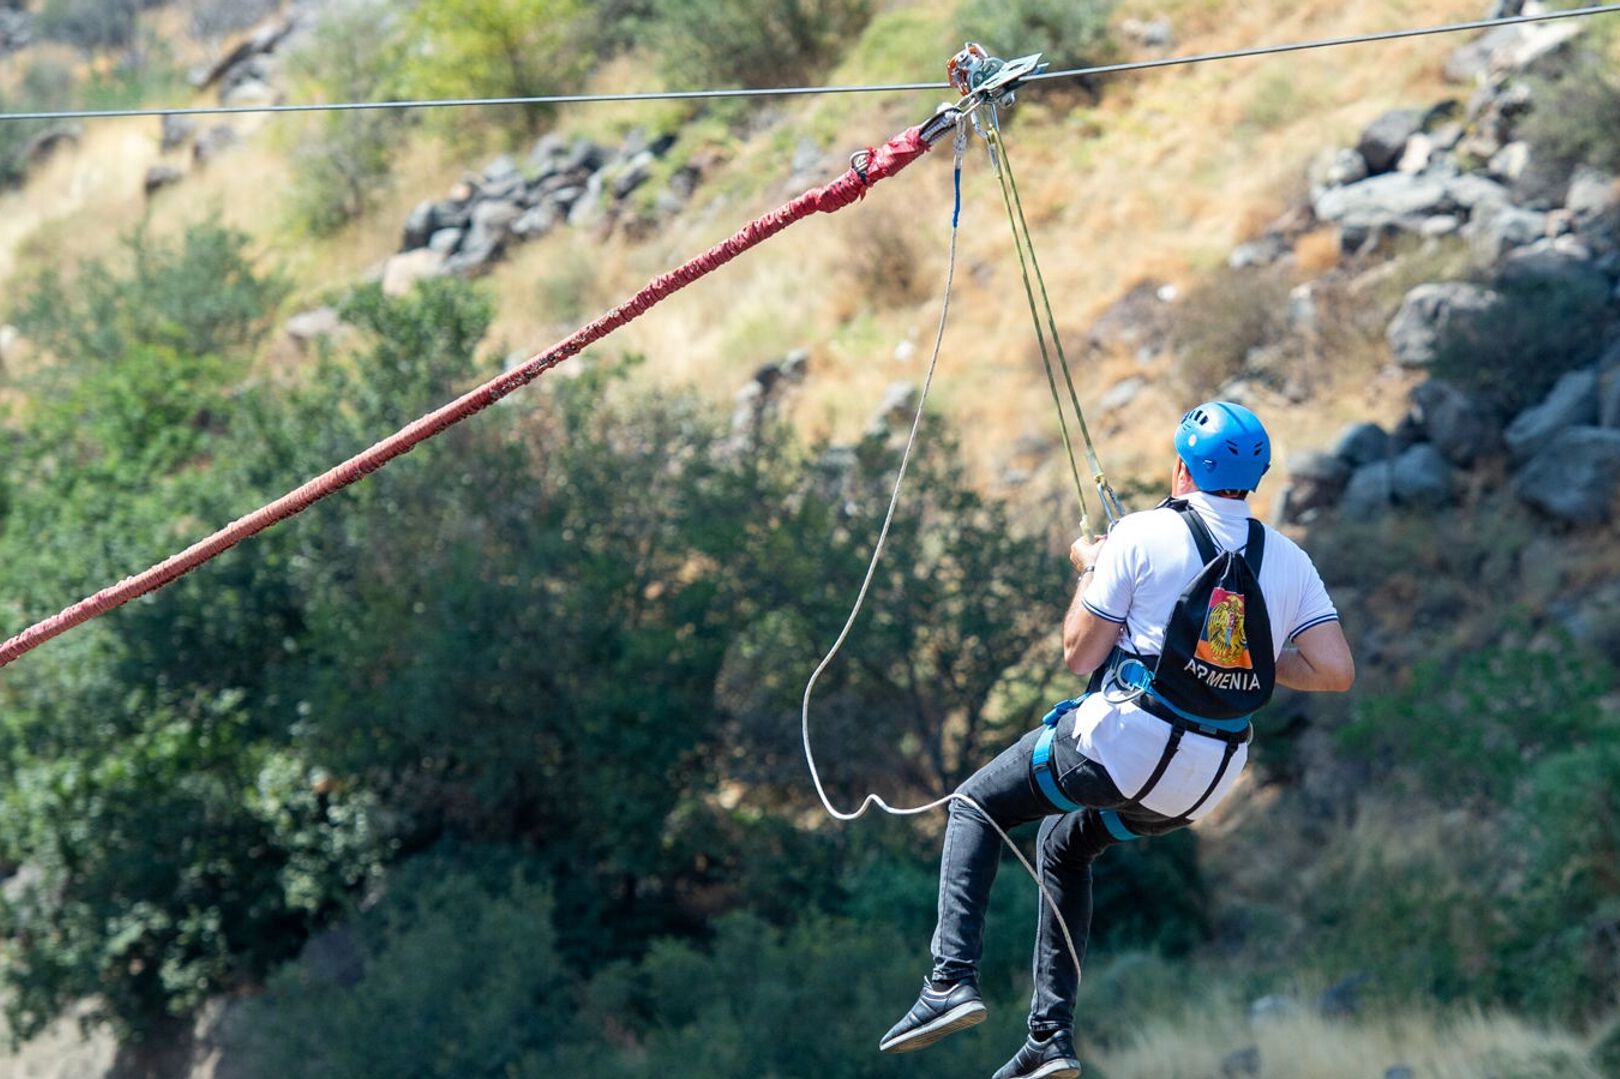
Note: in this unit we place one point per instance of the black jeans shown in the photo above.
(1067, 845)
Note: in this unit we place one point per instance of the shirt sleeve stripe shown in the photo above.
(1313, 623)
(1104, 615)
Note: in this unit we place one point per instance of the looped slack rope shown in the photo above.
(878, 164)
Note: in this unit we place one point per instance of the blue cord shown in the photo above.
(956, 212)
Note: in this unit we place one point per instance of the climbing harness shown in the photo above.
(1215, 669)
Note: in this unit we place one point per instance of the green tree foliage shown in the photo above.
(718, 42)
(454, 974)
(561, 627)
(1068, 32)
(500, 48)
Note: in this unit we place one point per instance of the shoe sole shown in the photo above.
(958, 1018)
(1054, 1069)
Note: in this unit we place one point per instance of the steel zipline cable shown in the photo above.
(804, 91)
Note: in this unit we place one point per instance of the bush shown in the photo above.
(500, 48)
(737, 42)
(1219, 323)
(1069, 32)
(345, 161)
(90, 24)
(453, 976)
(46, 86)
(1512, 353)
(1569, 910)
(172, 857)
(1469, 732)
(1576, 118)
(201, 296)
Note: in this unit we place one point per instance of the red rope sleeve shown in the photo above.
(881, 163)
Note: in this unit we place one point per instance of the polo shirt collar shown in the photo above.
(1235, 508)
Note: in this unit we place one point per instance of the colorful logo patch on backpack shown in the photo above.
(1225, 641)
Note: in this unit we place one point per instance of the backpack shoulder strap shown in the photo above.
(1255, 549)
(1208, 549)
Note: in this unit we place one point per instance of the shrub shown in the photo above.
(90, 24)
(1068, 32)
(345, 161)
(1470, 731)
(200, 296)
(1512, 353)
(500, 48)
(454, 974)
(1569, 909)
(1219, 323)
(46, 86)
(159, 881)
(1576, 118)
(718, 42)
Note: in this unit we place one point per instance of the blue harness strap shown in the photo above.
(1041, 762)
(1115, 826)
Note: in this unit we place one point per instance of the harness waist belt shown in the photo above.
(1238, 731)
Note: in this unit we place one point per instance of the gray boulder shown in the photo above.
(586, 209)
(895, 411)
(1574, 477)
(500, 179)
(536, 222)
(1593, 193)
(1421, 476)
(1138, 322)
(419, 226)
(1384, 140)
(1263, 251)
(1396, 199)
(309, 326)
(213, 142)
(1315, 481)
(177, 130)
(1564, 261)
(548, 153)
(1497, 228)
(583, 154)
(1573, 402)
(445, 241)
(1335, 168)
(1508, 49)
(635, 173)
(1370, 491)
(1430, 311)
(1471, 191)
(1609, 399)
(1361, 444)
(160, 176)
(1461, 428)
(486, 237)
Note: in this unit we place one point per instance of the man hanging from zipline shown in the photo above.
(1174, 618)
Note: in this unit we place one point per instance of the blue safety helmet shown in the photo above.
(1225, 447)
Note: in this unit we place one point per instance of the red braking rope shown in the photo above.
(875, 164)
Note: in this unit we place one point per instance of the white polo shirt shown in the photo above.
(1149, 560)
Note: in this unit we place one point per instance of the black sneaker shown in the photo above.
(935, 1015)
(1052, 1059)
